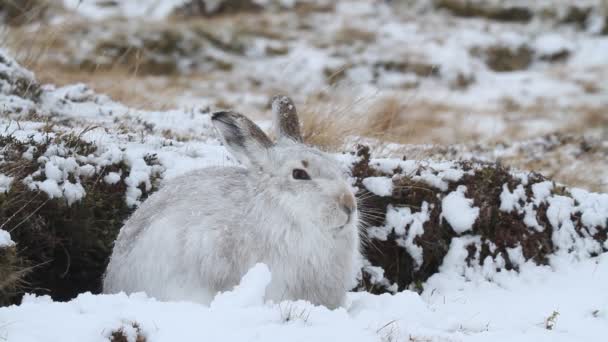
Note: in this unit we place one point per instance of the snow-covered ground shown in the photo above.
(566, 301)
(435, 65)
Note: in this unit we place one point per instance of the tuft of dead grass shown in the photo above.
(12, 274)
(388, 118)
(350, 34)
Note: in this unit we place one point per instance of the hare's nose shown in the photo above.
(347, 203)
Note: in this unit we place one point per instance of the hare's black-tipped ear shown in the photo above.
(286, 123)
(243, 138)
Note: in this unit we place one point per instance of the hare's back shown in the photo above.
(199, 199)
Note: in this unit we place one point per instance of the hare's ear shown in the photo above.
(243, 138)
(286, 123)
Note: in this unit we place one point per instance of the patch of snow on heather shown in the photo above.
(415, 228)
(5, 183)
(541, 191)
(406, 225)
(379, 233)
(594, 208)
(381, 186)
(73, 192)
(565, 236)
(440, 174)
(5, 239)
(376, 274)
(389, 165)
(530, 219)
(516, 256)
(112, 178)
(509, 201)
(458, 210)
(48, 186)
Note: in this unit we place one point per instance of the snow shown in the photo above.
(112, 178)
(541, 191)
(530, 217)
(439, 174)
(455, 305)
(381, 186)
(5, 239)
(509, 201)
(5, 183)
(551, 43)
(73, 192)
(458, 210)
(416, 227)
(593, 206)
(565, 236)
(406, 225)
(142, 8)
(250, 292)
(49, 186)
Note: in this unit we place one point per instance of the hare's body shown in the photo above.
(186, 226)
(199, 234)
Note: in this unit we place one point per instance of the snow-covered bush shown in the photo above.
(416, 212)
(63, 202)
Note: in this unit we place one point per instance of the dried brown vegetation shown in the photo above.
(386, 117)
(18, 12)
(467, 8)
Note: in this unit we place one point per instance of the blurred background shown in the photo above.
(518, 82)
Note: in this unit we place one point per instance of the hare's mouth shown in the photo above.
(349, 222)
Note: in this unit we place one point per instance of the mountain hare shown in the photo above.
(289, 207)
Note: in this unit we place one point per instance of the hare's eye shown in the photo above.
(300, 174)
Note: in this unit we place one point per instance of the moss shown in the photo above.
(67, 246)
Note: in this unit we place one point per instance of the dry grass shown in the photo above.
(388, 118)
(137, 91)
(349, 34)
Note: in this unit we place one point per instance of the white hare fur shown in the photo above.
(201, 232)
